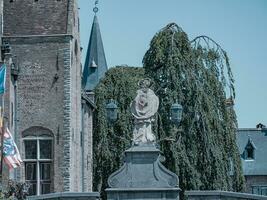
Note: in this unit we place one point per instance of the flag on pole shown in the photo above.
(2, 78)
(10, 151)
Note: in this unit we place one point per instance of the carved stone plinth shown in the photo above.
(143, 177)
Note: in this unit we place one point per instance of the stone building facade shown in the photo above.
(47, 109)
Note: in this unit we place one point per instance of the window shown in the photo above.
(249, 152)
(38, 164)
(76, 48)
(259, 189)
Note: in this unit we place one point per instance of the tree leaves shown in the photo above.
(198, 76)
(111, 140)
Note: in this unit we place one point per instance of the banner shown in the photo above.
(2, 78)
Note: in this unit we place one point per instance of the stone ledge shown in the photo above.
(201, 194)
(141, 189)
(67, 195)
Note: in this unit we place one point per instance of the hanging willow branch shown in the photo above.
(211, 48)
(193, 72)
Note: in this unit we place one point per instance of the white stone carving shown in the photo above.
(143, 108)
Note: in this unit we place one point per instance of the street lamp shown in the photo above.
(176, 113)
(112, 111)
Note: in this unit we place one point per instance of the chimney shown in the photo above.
(260, 126)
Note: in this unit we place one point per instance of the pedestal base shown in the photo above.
(143, 177)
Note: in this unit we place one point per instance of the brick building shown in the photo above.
(48, 110)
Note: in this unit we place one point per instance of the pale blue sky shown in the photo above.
(239, 26)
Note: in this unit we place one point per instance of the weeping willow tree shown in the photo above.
(111, 139)
(197, 75)
(201, 150)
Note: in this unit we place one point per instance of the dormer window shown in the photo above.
(249, 153)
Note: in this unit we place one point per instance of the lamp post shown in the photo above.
(176, 113)
(112, 111)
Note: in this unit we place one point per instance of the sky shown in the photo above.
(239, 26)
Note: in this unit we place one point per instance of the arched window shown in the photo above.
(38, 159)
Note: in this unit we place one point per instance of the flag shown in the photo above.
(2, 78)
(10, 151)
(1, 117)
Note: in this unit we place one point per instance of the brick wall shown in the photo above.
(40, 95)
(35, 17)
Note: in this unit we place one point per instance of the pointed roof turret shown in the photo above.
(95, 62)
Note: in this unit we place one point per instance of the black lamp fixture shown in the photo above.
(176, 113)
(112, 111)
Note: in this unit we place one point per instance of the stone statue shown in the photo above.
(143, 108)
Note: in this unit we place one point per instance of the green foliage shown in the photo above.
(198, 77)
(110, 140)
(197, 74)
(15, 191)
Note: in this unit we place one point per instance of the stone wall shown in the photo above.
(67, 196)
(87, 138)
(35, 17)
(1, 17)
(221, 195)
(75, 90)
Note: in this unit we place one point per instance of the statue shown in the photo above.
(143, 108)
(143, 176)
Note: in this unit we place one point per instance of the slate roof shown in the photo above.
(95, 62)
(258, 138)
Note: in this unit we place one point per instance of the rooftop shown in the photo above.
(257, 137)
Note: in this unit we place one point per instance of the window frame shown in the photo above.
(259, 189)
(39, 160)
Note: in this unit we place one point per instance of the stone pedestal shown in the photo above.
(143, 177)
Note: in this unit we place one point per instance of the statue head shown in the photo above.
(145, 84)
